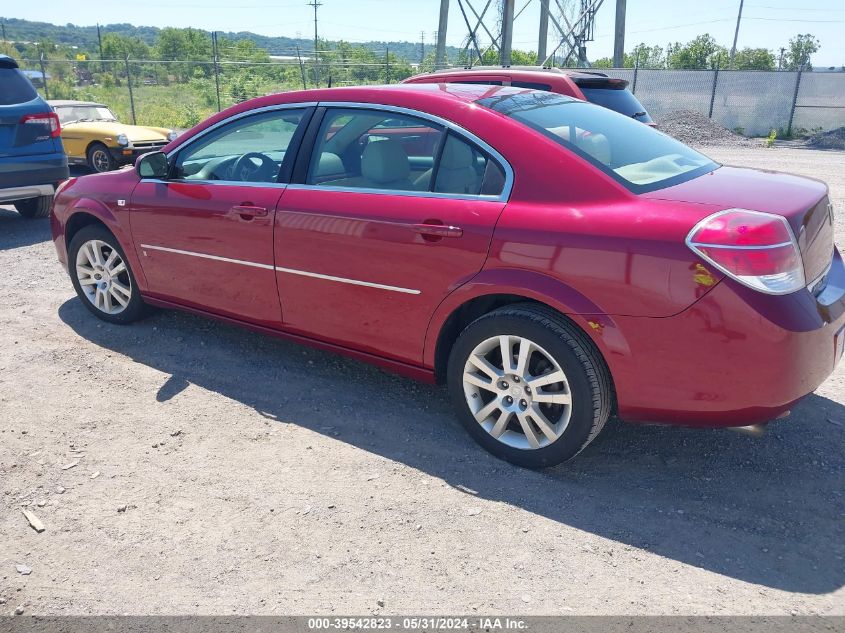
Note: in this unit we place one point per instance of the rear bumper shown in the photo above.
(19, 174)
(23, 193)
(736, 357)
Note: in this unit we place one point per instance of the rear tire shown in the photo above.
(32, 208)
(102, 277)
(100, 159)
(543, 406)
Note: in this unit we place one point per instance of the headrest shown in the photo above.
(456, 155)
(329, 165)
(385, 161)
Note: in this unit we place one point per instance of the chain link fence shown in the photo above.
(748, 101)
(179, 94)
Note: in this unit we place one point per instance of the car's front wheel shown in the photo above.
(529, 386)
(100, 159)
(102, 277)
(34, 207)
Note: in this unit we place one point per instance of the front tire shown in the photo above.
(529, 386)
(32, 208)
(100, 159)
(102, 277)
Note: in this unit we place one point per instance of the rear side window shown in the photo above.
(374, 149)
(16, 88)
(620, 100)
(465, 169)
(531, 85)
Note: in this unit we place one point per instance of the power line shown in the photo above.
(316, 5)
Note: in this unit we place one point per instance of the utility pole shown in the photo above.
(316, 5)
(736, 35)
(100, 40)
(507, 32)
(422, 47)
(543, 38)
(619, 36)
(215, 49)
(780, 59)
(440, 53)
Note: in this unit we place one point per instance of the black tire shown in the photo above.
(590, 384)
(32, 208)
(99, 158)
(135, 308)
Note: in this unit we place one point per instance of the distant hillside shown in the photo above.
(86, 37)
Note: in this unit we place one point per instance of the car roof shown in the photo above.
(442, 92)
(575, 73)
(57, 103)
(7, 62)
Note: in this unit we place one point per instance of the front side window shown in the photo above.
(372, 149)
(249, 149)
(638, 156)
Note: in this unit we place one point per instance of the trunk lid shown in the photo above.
(802, 201)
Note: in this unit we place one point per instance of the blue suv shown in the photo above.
(32, 159)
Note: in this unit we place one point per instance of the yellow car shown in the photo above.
(92, 136)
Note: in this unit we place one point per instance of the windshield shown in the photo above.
(638, 156)
(71, 114)
(621, 100)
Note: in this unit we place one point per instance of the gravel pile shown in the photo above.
(834, 139)
(696, 129)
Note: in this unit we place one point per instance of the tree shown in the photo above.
(702, 53)
(119, 46)
(645, 56)
(798, 53)
(754, 59)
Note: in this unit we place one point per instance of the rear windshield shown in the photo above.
(638, 156)
(621, 100)
(16, 88)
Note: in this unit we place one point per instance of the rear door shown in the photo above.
(371, 239)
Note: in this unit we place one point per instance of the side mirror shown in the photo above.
(152, 165)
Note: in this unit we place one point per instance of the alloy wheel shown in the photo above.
(103, 276)
(100, 160)
(517, 392)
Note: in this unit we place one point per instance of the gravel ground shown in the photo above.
(693, 128)
(183, 466)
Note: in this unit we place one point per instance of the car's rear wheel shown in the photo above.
(35, 207)
(102, 277)
(99, 158)
(529, 386)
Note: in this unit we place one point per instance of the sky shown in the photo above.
(766, 23)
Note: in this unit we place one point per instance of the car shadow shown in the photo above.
(762, 510)
(17, 231)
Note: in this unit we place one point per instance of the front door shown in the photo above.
(383, 228)
(205, 235)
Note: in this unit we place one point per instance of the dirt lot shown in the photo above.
(241, 474)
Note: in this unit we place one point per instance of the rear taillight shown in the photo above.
(755, 248)
(49, 120)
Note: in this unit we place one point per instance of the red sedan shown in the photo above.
(551, 260)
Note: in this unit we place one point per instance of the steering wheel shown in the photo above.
(246, 170)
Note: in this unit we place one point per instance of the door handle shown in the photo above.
(438, 230)
(248, 212)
